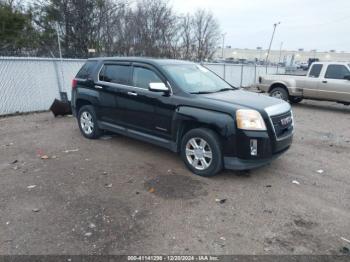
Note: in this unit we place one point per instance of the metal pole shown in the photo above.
(255, 73)
(63, 97)
(223, 45)
(279, 59)
(273, 34)
(224, 71)
(241, 76)
(58, 41)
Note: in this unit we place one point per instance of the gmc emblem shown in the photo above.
(285, 121)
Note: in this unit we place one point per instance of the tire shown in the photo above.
(295, 99)
(87, 121)
(196, 160)
(279, 92)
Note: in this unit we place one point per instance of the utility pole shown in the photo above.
(63, 94)
(273, 34)
(223, 45)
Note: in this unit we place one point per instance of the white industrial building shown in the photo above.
(280, 55)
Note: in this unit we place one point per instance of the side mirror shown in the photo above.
(347, 77)
(158, 87)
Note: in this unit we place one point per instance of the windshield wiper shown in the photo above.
(202, 92)
(225, 89)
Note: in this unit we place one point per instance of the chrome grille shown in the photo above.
(283, 124)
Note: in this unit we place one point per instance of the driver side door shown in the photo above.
(146, 111)
(334, 86)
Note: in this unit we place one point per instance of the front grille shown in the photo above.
(283, 124)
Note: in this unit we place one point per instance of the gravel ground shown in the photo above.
(116, 195)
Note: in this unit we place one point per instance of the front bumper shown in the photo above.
(257, 148)
(235, 163)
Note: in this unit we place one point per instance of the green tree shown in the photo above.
(78, 23)
(16, 31)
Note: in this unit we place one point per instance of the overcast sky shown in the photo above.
(308, 24)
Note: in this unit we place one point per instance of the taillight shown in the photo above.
(74, 83)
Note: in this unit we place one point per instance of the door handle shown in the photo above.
(325, 81)
(98, 87)
(132, 94)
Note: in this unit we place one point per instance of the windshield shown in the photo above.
(194, 78)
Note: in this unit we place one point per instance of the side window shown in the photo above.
(336, 72)
(119, 74)
(143, 76)
(315, 70)
(87, 70)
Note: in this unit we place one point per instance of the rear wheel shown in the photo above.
(201, 152)
(280, 93)
(88, 122)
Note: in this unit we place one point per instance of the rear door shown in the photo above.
(113, 78)
(334, 86)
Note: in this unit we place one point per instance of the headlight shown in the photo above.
(248, 119)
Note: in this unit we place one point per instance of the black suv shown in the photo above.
(184, 107)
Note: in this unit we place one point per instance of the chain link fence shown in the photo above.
(32, 84)
(243, 75)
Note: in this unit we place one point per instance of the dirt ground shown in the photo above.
(117, 195)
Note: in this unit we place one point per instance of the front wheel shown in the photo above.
(280, 93)
(201, 152)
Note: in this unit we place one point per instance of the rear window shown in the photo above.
(315, 70)
(87, 70)
(118, 74)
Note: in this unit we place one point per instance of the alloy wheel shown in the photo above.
(199, 153)
(277, 94)
(87, 123)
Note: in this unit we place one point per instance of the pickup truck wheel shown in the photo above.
(295, 99)
(88, 122)
(201, 152)
(279, 92)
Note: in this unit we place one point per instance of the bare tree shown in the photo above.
(206, 33)
(187, 37)
(110, 28)
(118, 27)
(153, 30)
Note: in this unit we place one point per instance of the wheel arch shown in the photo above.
(187, 118)
(278, 84)
(80, 103)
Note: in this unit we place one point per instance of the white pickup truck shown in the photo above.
(324, 81)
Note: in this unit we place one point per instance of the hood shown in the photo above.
(245, 99)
